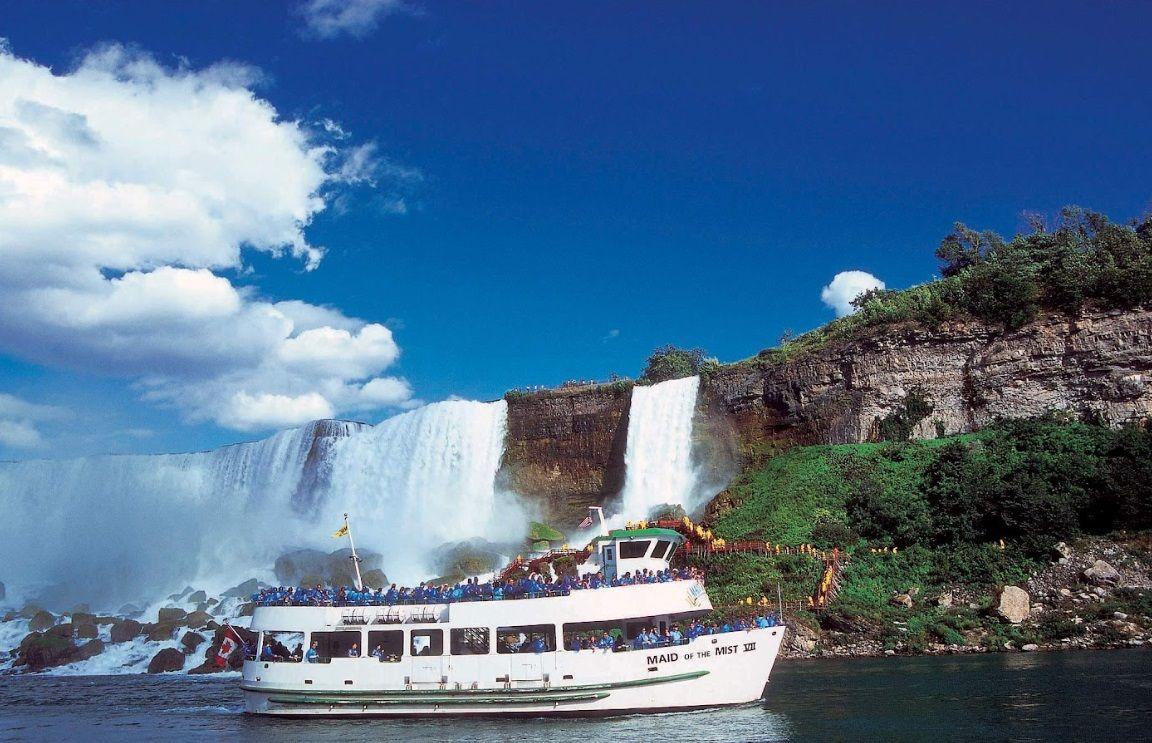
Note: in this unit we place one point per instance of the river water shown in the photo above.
(1075, 696)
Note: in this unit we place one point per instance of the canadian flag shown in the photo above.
(227, 646)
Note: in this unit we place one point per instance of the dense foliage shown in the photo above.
(669, 362)
(1084, 260)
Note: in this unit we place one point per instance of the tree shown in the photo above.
(669, 362)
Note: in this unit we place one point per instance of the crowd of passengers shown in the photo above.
(651, 637)
(533, 585)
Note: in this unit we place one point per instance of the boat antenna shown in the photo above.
(354, 558)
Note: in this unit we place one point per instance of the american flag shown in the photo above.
(586, 522)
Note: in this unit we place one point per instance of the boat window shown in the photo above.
(661, 550)
(470, 641)
(386, 645)
(629, 550)
(532, 638)
(282, 646)
(427, 642)
(342, 644)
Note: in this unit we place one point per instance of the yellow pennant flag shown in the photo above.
(341, 532)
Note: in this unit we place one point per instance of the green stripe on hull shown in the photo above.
(438, 700)
(419, 695)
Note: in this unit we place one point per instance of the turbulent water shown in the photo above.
(125, 528)
(658, 457)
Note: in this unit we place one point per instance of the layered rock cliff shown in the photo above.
(565, 448)
(1098, 365)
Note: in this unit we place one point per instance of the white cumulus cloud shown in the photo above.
(128, 193)
(20, 419)
(330, 18)
(846, 286)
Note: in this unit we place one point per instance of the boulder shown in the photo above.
(208, 666)
(469, 557)
(944, 600)
(83, 617)
(1030, 647)
(39, 651)
(901, 599)
(190, 641)
(90, 649)
(1062, 550)
(803, 638)
(160, 631)
(30, 610)
(246, 609)
(86, 631)
(244, 590)
(166, 661)
(197, 619)
(309, 566)
(171, 615)
(63, 631)
(1013, 604)
(1103, 574)
(41, 621)
(129, 610)
(125, 630)
(197, 597)
(81, 609)
(375, 578)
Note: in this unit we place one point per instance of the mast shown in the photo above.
(355, 559)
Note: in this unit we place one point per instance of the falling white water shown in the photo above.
(658, 458)
(111, 529)
(421, 479)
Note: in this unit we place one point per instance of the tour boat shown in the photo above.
(509, 657)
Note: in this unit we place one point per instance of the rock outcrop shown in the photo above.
(565, 448)
(1098, 365)
(166, 661)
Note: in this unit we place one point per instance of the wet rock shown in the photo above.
(197, 619)
(309, 566)
(246, 609)
(166, 661)
(803, 638)
(208, 666)
(171, 615)
(90, 649)
(1101, 573)
(160, 631)
(1013, 605)
(86, 631)
(125, 630)
(41, 621)
(40, 650)
(30, 610)
(1030, 647)
(244, 590)
(63, 631)
(129, 610)
(190, 641)
(197, 597)
(83, 617)
(375, 578)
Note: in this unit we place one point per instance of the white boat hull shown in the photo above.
(713, 670)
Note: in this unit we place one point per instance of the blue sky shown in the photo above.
(556, 189)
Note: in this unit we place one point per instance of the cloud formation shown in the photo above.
(328, 19)
(846, 286)
(128, 191)
(20, 419)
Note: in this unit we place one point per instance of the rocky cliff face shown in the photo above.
(565, 448)
(1098, 365)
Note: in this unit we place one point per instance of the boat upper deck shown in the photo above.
(670, 597)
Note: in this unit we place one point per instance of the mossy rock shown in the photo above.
(538, 532)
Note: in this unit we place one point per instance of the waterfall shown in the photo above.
(658, 457)
(110, 529)
(424, 478)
